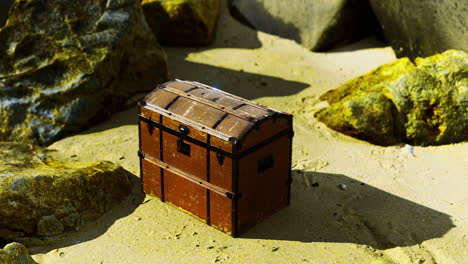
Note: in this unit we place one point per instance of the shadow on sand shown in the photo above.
(243, 84)
(321, 211)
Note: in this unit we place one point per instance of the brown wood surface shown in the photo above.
(193, 132)
(160, 98)
(221, 212)
(194, 164)
(151, 179)
(221, 144)
(221, 175)
(149, 114)
(263, 193)
(181, 86)
(185, 194)
(150, 143)
(265, 129)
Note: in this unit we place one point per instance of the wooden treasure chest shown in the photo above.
(222, 158)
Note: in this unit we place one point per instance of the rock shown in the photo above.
(425, 103)
(182, 22)
(418, 28)
(49, 226)
(15, 253)
(44, 197)
(4, 6)
(67, 64)
(317, 25)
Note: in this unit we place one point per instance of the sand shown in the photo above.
(352, 202)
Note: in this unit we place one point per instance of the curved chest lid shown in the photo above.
(217, 112)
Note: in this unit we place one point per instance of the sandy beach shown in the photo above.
(351, 201)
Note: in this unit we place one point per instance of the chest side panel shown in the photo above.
(264, 182)
(265, 129)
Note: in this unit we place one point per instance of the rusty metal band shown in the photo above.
(286, 132)
(220, 120)
(237, 113)
(187, 176)
(239, 106)
(191, 89)
(171, 102)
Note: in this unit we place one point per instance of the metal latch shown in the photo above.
(150, 127)
(220, 158)
(265, 163)
(183, 147)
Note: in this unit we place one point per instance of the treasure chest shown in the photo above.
(219, 157)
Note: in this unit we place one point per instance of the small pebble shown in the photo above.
(121, 158)
(343, 186)
(408, 149)
(138, 218)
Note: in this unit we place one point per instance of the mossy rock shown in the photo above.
(182, 22)
(43, 197)
(425, 103)
(15, 253)
(64, 65)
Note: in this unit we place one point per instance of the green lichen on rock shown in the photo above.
(15, 253)
(67, 64)
(44, 197)
(425, 103)
(182, 22)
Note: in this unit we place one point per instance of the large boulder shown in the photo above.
(420, 28)
(15, 253)
(425, 103)
(41, 197)
(182, 22)
(66, 64)
(317, 25)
